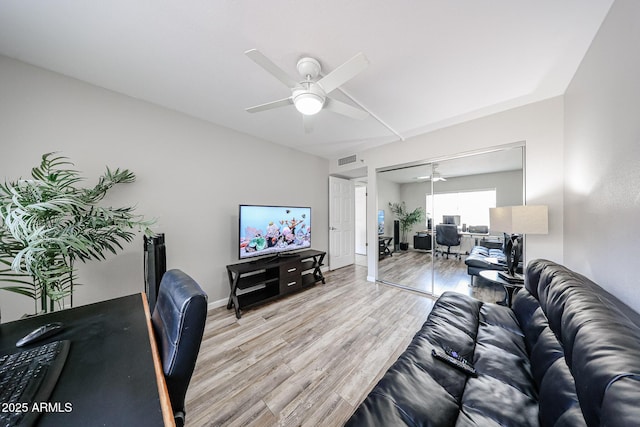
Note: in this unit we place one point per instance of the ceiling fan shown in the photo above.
(310, 95)
(436, 175)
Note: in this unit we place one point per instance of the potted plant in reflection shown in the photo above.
(48, 222)
(407, 220)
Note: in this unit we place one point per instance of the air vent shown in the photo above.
(347, 160)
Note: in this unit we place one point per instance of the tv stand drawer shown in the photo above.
(290, 276)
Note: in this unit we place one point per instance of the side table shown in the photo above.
(510, 288)
(383, 246)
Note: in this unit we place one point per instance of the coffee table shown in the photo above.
(510, 288)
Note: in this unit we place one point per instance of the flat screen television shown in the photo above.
(273, 230)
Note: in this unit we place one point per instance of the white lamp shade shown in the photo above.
(529, 219)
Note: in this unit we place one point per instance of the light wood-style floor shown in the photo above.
(413, 269)
(308, 359)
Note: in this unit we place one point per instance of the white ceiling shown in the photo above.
(432, 62)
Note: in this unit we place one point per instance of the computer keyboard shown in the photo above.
(27, 378)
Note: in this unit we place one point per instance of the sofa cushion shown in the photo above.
(567, 354)
(421, 390)
(477, 256)
(558, 399)
(393, 401)
(545, 353)
(476, 261)
(530, 317)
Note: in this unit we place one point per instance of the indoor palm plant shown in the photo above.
(47, 223)
(407, 220)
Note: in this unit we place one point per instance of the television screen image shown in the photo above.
(380, 222)
(270, 230)
(451, 219)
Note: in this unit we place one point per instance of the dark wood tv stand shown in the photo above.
(257, 282)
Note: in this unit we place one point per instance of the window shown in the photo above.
(472, 206)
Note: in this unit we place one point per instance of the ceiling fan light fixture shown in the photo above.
(437, 177)
(310, 95)
(308, 103)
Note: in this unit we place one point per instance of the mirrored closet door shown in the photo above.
(402, 196)
(442, 210)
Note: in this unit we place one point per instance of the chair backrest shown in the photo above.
(178, 323)
(447, 235)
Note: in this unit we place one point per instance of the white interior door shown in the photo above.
(361, 220)
(341, 222)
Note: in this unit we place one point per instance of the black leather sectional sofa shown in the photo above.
(476, 261)
(566, 354)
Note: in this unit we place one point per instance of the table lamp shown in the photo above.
(516, 221)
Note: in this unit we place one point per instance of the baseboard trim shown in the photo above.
(217, 304)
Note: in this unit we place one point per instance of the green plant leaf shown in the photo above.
(47, 222)
(29, 292)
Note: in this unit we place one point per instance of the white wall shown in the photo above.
(387, 192)
(602, 157)
(539, 125)
(508, 187)
(191, 175)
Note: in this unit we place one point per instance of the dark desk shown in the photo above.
(113, 375)
(474, 236)
(422, 240)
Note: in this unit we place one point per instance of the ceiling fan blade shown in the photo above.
(271, 68)
(307, 122)
(345, 109)
(343, 73)
(270, 105)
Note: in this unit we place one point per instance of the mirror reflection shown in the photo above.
(434, 217)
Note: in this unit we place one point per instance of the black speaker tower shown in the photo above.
(396, 235)
(155, 265)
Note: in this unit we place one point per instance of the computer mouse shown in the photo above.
(40, 333)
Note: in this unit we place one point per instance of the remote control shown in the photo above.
(456, 362)
(40, 333)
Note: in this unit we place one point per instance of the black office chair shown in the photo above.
(447, 235)
(178, 322)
